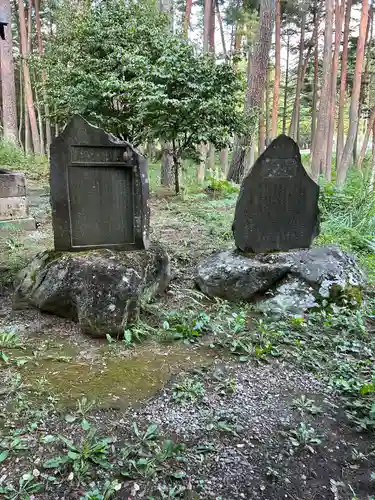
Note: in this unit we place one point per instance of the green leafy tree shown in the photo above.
(121, 67)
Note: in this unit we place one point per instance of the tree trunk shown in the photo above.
(339, 13)
(41, 52)
(27, 81)
(319, 149)
(276, 88)
(286, 84)
(224, 162)
(255, 85)
(189, 4)
(373, 159)
(268, 135)
(316, 73)
(370, 126)
(207, 25)
(294, 124)
(222, 34)
(354, 103)
(343, 76)
(8, 86)
(202, 163)
(262, 127)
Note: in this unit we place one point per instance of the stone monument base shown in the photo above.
(290, 282)
(102, 290)
(26, 224)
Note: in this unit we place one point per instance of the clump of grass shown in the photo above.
(13, 157)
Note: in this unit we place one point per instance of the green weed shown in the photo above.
(188, 391)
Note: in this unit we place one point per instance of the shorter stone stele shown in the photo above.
(14, 212)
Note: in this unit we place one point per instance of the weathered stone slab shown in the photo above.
(299, 277)
(102, 290)
(99, 191)
(12, 184)
(277, 208)
(27, 224)
(13, 208)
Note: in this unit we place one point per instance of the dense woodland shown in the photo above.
(204, 80)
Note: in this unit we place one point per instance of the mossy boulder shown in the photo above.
(102, 290)
(291, 281)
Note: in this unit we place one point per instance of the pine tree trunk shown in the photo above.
(294, 124)
(189, 4)
(41, 52)
(339, 13)
(286, 85)
(276, 88)
(202, 163)
(373, 159)
(262, 127)
(369, 129)
(257, 77)
(268, 135)
(8, 86)
(316, 73)
(354, 103)
(222, 34)
(207, 25)
(27, 81)
(343, 77)
(319, 149)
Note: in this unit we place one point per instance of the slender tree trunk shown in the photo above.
(276, 88)
(21, 103)
(319, 150)
(268, 135)
(207, 25)
(224, 162)
(294, 124)
(373, 159)
(41, 53)
(189, 4)
(262, 127)
(257, 77)
(343, 76)
(222, 34)
(27, 81)
(339, 13)
(8, 86)
(316, 73)
(354, 103)
(167, 160)
(211, 147)
(286, 84)
(202, 163)
(369, 129)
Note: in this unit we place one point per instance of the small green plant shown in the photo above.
(91, 451)
(108, 491)
(188, 391)
(305, 437)
(305, 405)
(25, 489)
(221, 187)
(188, 327)
(10, 340)
(84, 406)
(11, 446)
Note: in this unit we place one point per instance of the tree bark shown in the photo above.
(354, 103)
(276, 88)
(316, 73)
(370, 126)
(319, 150)
(339, 13)
(373, 159)
(41, 53)
(224, 162)
(343, 77)
(27, 81)
(258, 68)
(262, 127)
(207, 25)
(222, 34)
(267, 110)
(286, 84)
(294, 124)
(8, 86)
(189, 4)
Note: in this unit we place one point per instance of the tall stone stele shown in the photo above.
(277, 208)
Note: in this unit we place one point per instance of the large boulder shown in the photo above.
(295, 280)
(102, 290)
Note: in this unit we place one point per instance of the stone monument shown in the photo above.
(14, 212)
(276, 220)
(277, 208)
(103, 267)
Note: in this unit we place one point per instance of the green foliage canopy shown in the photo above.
(120, 67)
